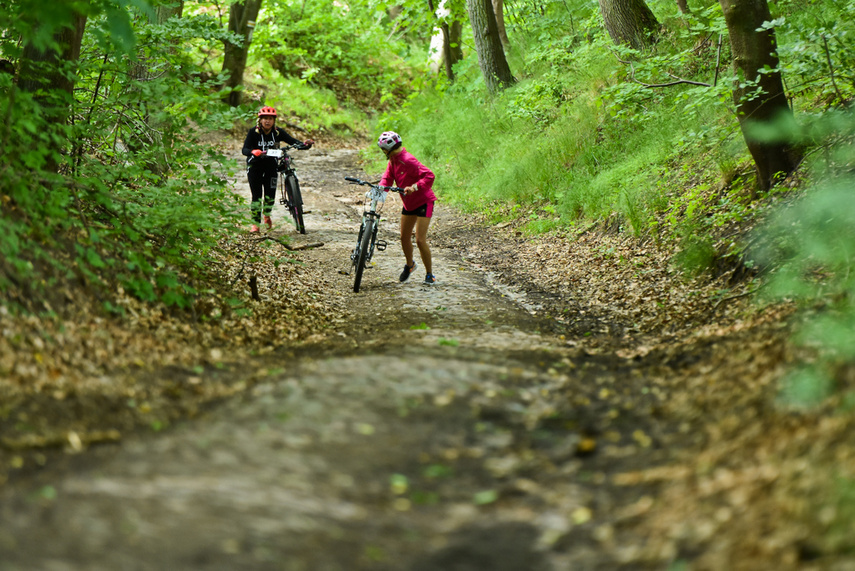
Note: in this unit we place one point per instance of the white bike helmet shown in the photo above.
(389, 140)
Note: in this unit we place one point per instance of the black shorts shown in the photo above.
(423, 211)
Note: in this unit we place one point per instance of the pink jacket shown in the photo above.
(405, 170)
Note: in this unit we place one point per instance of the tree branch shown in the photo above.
(717, 60)
(831, 68)
(677, 80)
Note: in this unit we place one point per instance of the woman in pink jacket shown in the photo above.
(406, 171)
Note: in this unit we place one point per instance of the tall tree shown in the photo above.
(158, 16)
(491, 57)
(242, 15)
(759, 90)
(499, 11)
(49, 70)
(166, 11)
(452, 35)
(452, 49)
(629, 22)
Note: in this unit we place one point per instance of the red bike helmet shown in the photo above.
(269, 111)
(389, 140)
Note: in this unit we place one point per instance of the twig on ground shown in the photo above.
(730, 298)
(253, 287)
(738, 295)
(288, 246)
(240, 272)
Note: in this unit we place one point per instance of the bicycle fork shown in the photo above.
(283, 192)
(380, 245)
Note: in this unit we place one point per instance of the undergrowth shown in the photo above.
(583, 133)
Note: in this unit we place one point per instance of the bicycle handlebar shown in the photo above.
(374, 185)
(277, 153)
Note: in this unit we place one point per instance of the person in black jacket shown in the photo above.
(261, 169)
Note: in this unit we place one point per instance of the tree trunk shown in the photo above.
(759, 97)
(49, 75)
(166, 12)
(142, 69)
(452, 35)
(499, 12)
(242, 15)
(145, 70)
(629, 22)
(491, 57)
(452, 47)
(50, 72)
(683, 5)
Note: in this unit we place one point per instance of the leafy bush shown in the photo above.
(817, 49)
(809, 248)
(332, 46)
(125, 195)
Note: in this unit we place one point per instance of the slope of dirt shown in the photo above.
(561, 402)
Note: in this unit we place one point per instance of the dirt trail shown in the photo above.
(443, 427)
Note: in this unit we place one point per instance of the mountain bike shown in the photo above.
(367, 240)
(289, 186)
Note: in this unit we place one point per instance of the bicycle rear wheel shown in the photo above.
(295, 203)
(362, 256)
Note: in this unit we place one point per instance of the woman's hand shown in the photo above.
(257, 152)
(411, 189)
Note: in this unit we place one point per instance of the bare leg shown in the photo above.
(408, 223)
(422, 225)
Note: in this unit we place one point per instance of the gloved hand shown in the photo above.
(307, 144)
(257, 152)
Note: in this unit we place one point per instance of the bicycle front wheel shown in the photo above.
(283, 191)
(362, 255)
(295, 203)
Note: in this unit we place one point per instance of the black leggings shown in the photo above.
(262, 184)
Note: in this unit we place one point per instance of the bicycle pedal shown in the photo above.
(381, 245)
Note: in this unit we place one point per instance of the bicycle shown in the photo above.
(289, 186)
(367, 240)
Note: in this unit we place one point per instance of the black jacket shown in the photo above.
(256, 139)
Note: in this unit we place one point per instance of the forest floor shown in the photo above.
(553, 402)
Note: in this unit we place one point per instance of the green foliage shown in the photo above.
(576, 156)
(809, 247)
(579, 131)
(315, 110)
(594, 129)
(124, 194)
(696, 254)
(485, 497)
(333, 46)
(817, 50)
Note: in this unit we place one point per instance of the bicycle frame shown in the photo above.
(289, 185)
(285, 165)
(367, 241)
